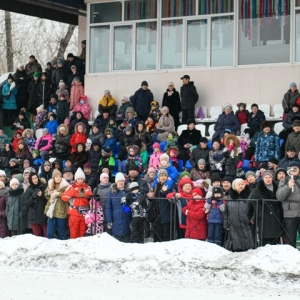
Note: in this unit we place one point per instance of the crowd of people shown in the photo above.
(123, 173)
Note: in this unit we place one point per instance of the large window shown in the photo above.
(297, 52)
(106, 12)
(264, 32)
(178, 8)
(140, 9)
(207, 7)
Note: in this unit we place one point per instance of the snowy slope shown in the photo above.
(271, 268)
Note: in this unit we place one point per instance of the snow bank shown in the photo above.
(186, 259)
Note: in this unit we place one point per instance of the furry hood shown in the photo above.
(66, 129)
(231, 137)
(114, 190)
(76, 127)
(27, 130)
(245, 194)
(63, 184)
(143, 130)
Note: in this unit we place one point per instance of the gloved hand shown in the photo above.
(123, 200)
(218, 166)
(125, 209)
(239, 165)
(230, 147)
(109, 225)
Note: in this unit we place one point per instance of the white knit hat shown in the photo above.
(103, 175)
(79, 174)
(235, 182)
(14, 180)
(165, 157)
(119, 176)
(2, 173)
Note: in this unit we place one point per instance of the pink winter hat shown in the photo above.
(156, 145)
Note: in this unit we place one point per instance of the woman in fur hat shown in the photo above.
(242, 113)
(233, 155)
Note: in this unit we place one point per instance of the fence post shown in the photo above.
(262, 223)
(256, 222)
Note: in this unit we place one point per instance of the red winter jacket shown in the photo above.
(243, 116)
(196, 224)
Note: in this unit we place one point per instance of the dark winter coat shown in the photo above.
(33, 67)
(289, 99)
(33, 101)
(272, 211)
(81, 120)
(22, 85)
(174, 105)
(136, 203)
(232, 161)
(189, 96)
(114, 213)
(21, 124)
(141, 102)
(293, 140)
(189, 137)
(62, 110)
(44, 92)
(57, 75)
(287, 123)
(254, 122)
(102, 123)
(283, 163)
(102, 191)
(122, 109)
(62, 142)
(3, 213)
(237, 217)
(47, 176)
(225, 121)
(198, 153)
(267, 146)
(78, 63)
(79, 158)
(143, 135)
(126, 140)
(94, 158)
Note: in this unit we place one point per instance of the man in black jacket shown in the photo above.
(256, 117)
(189, 98)
(200, 152)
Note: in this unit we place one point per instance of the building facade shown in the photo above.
(233, 50)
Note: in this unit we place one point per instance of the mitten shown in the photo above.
(126, 209)
(109, 225)
(230, 147)
(239, 165)
(123, 200)
(218, 166)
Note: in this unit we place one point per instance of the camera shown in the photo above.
(292, 169)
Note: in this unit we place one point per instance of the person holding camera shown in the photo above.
(288, 193)
(34, 200)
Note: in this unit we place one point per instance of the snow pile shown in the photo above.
(186, 259)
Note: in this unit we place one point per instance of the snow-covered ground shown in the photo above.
(100, 267)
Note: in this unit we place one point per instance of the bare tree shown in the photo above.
(9, 45)
(63, 43)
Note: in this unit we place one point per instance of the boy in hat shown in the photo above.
(110, 140)
(52, 124)
(107, 161)
(133, 158)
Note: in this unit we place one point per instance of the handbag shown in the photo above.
(228, 245)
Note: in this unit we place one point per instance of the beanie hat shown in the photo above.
(278, 170)
(134, 186)
(170, 83)
(79, 174)
(36, 74)
(45, 130)
(203, 140)
(273, 160)
(29, 170)
(60, 62)
(294, 163)
(228, 105)
(184, 181)
(55, 173)
(151, 169)
(185, 173)
(163, 172)
(134, 167)
(156, 145)
(106, 151)
(14, 180)
(12, 160)
(129, 110)
(228, 178)
(119, 176)
(254, 105)
(144, 83)
(190, 121)
(267, 173)
(128, 128)
(106, 92)
(103, 175)
(68, 169)
(125, 99)
(215, 177)
(296, 123)
(164, 157)
(235, 182)
(20, 177)
(2, 173)
(293, 84)
(36, 152)
(201, 161)
(264, 166)
(249, 173)
(87, 165)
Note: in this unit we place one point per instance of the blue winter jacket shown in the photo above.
(114, 213)
(215, 215)
(52, 126)
(172, 172)
(225, 121)
(267, 146)
(11, 103)
(111, 143)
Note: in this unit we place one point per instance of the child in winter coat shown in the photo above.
(151, 124)
(171, 141)
(244, 143)
(133, 158)
(52, 124)
(94, 218)
(155, 110)
(135, 202)
(15, 140)
(75, 93)
(79, 136)
(242, 113)
(62, 109)
(28, 135)
(37, 161)
(144, 156)
(215, 208)
(173, 154)
(155, 157)
(39, 118)
(83, 106)
(62, 90)
(165, 164)
(110, 139)
(107, 161)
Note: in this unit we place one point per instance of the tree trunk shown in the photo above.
(9, 46)
(63, 43)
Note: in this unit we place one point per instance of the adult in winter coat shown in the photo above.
(77, 195)
(46, 171)
(171, 99)
(22, 81)
(35, 201)
(165, 125)
(60, 73)
(202, 151)
(44, 90)
(75, 93)
(187, 139)
(62, 142)
(272, 217)
(189, 97)
(95, 154)
(268, 144)
(101, 193)
(256, 117)
(9, 104)
(3, 212)
(288, 193)
(117, 220)
(125, 140)
(21, 122)
(107, 103)
(239, 217)
(74, 73)
(142, 135)
(290, 156)
(44, 144)
(33, 101)
(22, 152)
(62, 109)
(32, 66)
(294, 137)
(79, 157)
(141, 101)
(75, 61)
(125, 103)
(226, 120)
(242, 113)
(291, 116)
(83, 106)
(56, 209)
(290, 98)
(79, 118)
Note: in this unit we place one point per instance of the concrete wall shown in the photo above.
(81, 31)
(215, 87)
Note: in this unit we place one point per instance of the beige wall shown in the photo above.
(215, 87)
(81, 31)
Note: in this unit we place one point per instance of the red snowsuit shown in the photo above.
(77, 209)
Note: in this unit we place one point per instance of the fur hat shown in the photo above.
(265, 124)
(134, 186)
(129, 110)
(164, 157)
(215, 177)
(79, 174)
(273, 160)
(217, 190)
(13, 180)
(231, 137)
(228, 178)
(242, 104)
(119, 176)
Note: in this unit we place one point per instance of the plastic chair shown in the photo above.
(246, 164)
(277, 110)
(39, 133)
(180, 165)
(243, 127)
(188, 165)
(211, 130)
(278, 127)
(181, 128)
(234, 108)
(215, 111)
(202, 128)
(265, 108)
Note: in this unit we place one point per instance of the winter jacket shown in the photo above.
(39, 120)
(284, 162)
(242, 116)
(81, 120)
(254, 121)
(75, 93)
(216, 209)
(107, 103)
(267, 146)
(198, 153)
(78, 137)
(289, 99)
(52, 126)
(44, 143)
(121, 111)
(126, 140)
(58, 75)
(287, 123)
(22, 85)
(23, 154)
(62, 110)
(58, 209)
(143, 135)
(197, 174)
(272, 211)
(45, 175)
(114, 214)
(94, 158)
(3, 212)
(133, 160)
(21, 124)
(189, 137)
(165, 123)
(9, 101)
(238, 216)
(101, 193)
(189, 96)
(111, 143)
(44, 91)
(293, 140)
(290, 200)
(63, 91)
(142, 184)
(78, 63)
(4, 139)
(33, 101)
(107, 162)
(155, 160)
(141, 101)
(84, 108)
(225, 121)
(62, 142)
(71, 78)
(216, 157)
(32, 67)
(13, 208)
(79, 158)
(136, 203)
(232, 160)
(171, 99)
